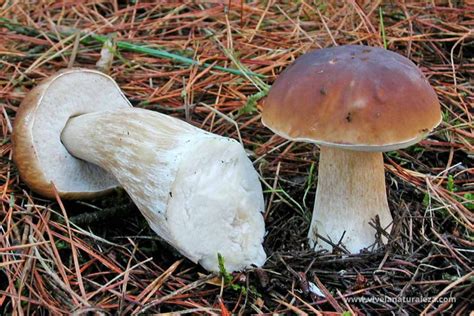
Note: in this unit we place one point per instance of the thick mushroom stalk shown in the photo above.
(197, 190)
(350, 195)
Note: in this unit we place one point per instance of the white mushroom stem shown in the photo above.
(197, 190)
(350, 194)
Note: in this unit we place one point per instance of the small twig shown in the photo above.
(183, 289)
(102, 215)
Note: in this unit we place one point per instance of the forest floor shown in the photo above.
(75, 263)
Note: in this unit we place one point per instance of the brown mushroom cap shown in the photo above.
(354, 97)
(38, 152)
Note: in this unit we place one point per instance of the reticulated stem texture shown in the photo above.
(197, 190)
(350, 193)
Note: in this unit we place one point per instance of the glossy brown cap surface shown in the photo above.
(354, 97)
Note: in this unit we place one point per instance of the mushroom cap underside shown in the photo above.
(38, 152)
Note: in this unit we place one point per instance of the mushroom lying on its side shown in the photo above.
(197, 190)
(355, 102)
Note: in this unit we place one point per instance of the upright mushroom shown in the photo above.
(355, 102)
(197, 190)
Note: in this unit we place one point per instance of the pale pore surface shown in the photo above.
(70, 94)
(350, 192)
(197, 190)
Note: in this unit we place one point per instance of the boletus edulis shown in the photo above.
(197, 190)
(355, 102)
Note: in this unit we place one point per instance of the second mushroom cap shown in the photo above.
(354, 97)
